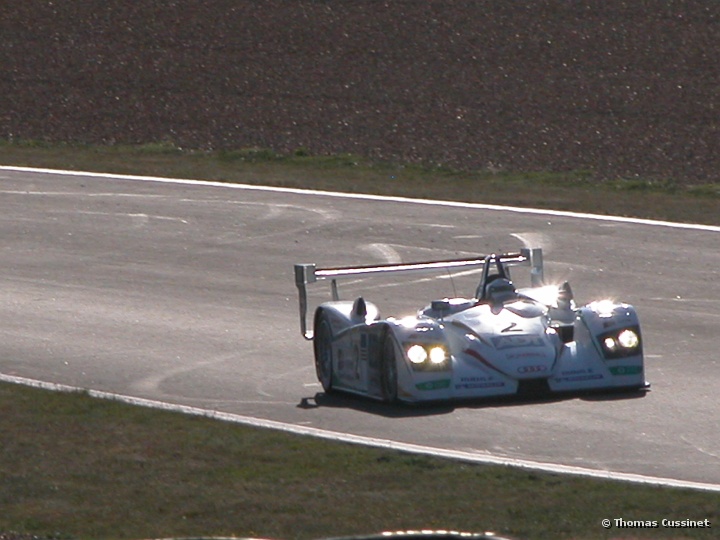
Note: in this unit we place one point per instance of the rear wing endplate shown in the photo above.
(306, 274)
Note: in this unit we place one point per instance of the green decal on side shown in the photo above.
(434, 385)
(626, 370)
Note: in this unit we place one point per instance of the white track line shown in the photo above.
(468, 457)
(356, 439)
(360, 196)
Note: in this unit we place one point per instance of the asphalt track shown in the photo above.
(183, 293)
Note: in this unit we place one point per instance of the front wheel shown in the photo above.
(389, 376)
(322, 346)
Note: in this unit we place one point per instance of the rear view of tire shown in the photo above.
(389, 375)
(322, 346)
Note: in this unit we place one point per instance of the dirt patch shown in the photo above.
(620, 88)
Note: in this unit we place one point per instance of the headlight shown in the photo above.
(437, 355)
(610, 344)
(417, 354)
(621, 343)
(427, 357)
(628, 339)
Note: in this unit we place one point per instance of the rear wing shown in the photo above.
(306, 274)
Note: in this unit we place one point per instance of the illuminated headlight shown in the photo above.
(620, 343)
(437, 355)
(427, 357)
(628, 339)
(417, 354)
(610, 344)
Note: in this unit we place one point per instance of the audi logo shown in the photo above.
(531, 369)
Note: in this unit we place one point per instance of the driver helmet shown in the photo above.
(501, 290)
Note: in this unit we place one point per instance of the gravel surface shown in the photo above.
(623, 88)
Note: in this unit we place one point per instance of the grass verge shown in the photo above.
(73, 466)
(578, 191)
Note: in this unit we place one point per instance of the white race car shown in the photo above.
(502, 341)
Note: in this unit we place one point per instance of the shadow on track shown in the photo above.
(342, 400)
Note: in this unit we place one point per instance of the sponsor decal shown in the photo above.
(439, 384)
(470, 386)
(509, 342)
(576, 371)
(626, 370)
(468, 383)
(578, 378)
(532, 369)
(524, 356)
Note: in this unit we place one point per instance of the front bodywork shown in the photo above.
(463, 348)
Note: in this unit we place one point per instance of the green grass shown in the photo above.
(73, 466)
(579, 191)
(76, 467)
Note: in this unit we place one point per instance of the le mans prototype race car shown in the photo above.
(502, 341)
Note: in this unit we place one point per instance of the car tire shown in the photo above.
(322, 347)
(388, 364)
